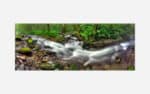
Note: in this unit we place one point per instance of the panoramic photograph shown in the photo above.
(74, 47)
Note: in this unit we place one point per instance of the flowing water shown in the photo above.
(73, 50)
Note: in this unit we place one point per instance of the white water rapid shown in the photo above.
(73, 50)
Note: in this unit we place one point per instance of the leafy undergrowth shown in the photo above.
(86, 32)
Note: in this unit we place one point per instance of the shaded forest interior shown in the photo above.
(30, 56)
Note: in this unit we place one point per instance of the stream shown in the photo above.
(73, 49)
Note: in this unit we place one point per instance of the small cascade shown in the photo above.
(73, 49)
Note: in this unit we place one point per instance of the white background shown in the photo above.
(77, 82)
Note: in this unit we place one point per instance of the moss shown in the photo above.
(73, 67)
(53, 66)
(18, 38)
(58, 66)
(77, 34)
(25, 50)
(30, 41)
(59, 38)
(45, 66)
(131, 68)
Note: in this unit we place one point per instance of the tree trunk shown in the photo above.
(48, 27)
(63, 28)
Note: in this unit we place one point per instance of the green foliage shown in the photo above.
(108, 31)
(53, 33)
(73, 67)
(87, 32)
(69, 28)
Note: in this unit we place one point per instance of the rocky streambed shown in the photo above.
(36, 53)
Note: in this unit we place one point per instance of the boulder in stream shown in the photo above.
(25, 50)
(18, 38)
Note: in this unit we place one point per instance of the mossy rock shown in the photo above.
(29, 41)
(25, 50)
(58, 66)
(77, 34)
(132, 68)
(45, 66)
(53, 66)
(59, 39)
(18, 38)
(36, 47)
(73, 67)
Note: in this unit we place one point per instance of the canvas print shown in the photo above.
(68, 47)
